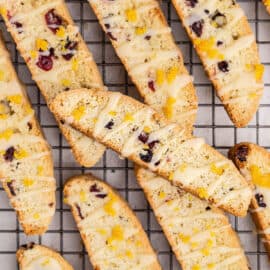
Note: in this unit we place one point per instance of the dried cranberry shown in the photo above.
(208, 208)
(70, 45)
(220, 19)
(19, 26)
(197, 27)
(51, 204)
(11, 188)
(101, 196)
(9, 154)
(51, 51)
(94, 188)
(223, 66)
(152, 144)
(147, 37)
(143, 137)
(191, 3)
(151, 86)
(79, 211)
(157, 163)
(28, 246)
(53, 20)
(45, 62)
(111, 36)
(260, 199)
(219, 43)
(107, 25)
(30, 126)
(147, 155)
(109, 125)
(241, 153)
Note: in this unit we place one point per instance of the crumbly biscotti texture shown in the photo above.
(227, 47)
(112, 234)
(138, 132)
(57, 57)
(142, 39)
(267, 5)
(33, 257)
(253, 162)
(26, 164)
(200, 235)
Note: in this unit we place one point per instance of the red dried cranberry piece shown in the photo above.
(70, 45)
(94, 188)
(223, 66)
(9, 154)
(111, 36)
(152, 144)
(147, 37)
(151, 85)
(197, 27)
(241, 153)
(79, 211)
(101, 196)
(11, 188)
(146, 156)
(260, 199)
(53, 20)
(109, 125)
(45, 62)
(143, 137)
(191, 3)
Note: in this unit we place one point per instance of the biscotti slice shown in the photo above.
(57, 57)
(267, 5)
(26, 165)
(142, 39)
(227, 47)
(200, 235)
(37, 257)
(138, 132)
(253, 162)
(112, 234)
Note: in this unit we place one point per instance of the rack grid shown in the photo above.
(212, 124)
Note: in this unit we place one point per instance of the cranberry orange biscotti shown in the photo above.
(143, 41)
(57, 57)
(37, 257)
(138, 132)
(112, 234)
(227, 47)
(200, 234)
(26, 164)
(253, 162)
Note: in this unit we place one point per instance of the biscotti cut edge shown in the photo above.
(107, 112)
(85, 187)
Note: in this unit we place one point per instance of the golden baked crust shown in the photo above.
(57, 57)
(138, 132)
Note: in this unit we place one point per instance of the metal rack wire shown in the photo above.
(212, 123)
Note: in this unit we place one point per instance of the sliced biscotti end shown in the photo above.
(254, 163)
(27, 176)
(227, 47)
(200, 234)
(32, 256)
(138, 132)
(113, 236)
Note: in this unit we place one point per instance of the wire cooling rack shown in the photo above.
(212, 124)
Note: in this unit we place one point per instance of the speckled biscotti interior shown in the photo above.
(112, 234)
(37, 257)
(253, 162)
(200, 234)
(138, 132)
(143, 40)
(57, 57)
(224, 41)
(26, 164)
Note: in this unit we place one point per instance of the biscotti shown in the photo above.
(37, 257)
(142, 39)
(138, 132)
(253, 162)
(113, 236)
(57, 57)
(26, 165)
(267, 5)
(200, 235)
(227, 47)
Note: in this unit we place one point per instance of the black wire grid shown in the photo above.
(212, 124)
